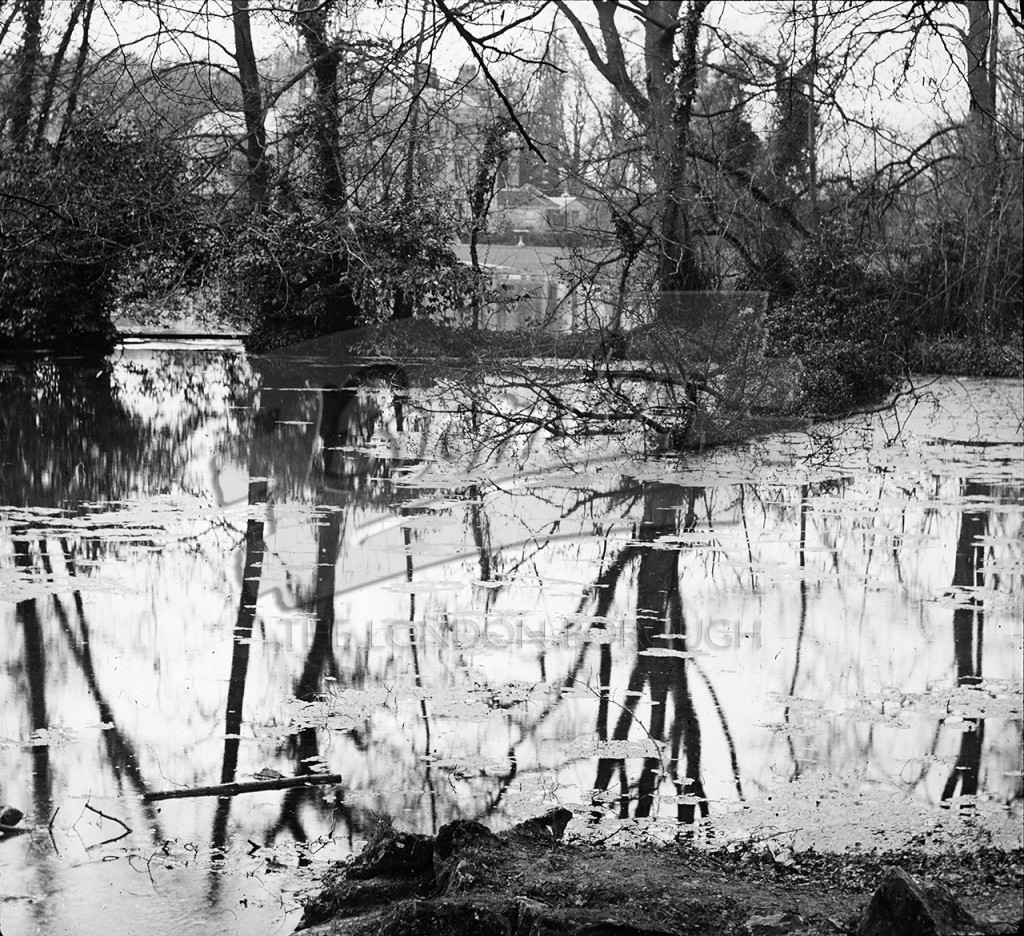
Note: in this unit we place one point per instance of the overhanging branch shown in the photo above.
(473, 42)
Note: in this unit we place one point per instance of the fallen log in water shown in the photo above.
(233, 789)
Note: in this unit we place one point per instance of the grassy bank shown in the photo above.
(467, 881)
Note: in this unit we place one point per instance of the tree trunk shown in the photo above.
(54, 74)
(812, 142)
(980, 46)
(420, 80)
(664, 112)
(25, 73)
(311, 19)
(678, 267)
(495, 149)
(403, 305)
(255, 143)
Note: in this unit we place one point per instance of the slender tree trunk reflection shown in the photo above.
(255, 548)
(801, 628)
(428, 776)
(121, 752)
(27, 615)
(968, 636)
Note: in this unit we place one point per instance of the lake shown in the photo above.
(214, 571)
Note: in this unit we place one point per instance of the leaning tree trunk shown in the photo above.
(56, 64)
(255, 144)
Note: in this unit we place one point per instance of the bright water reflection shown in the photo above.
(826, 649)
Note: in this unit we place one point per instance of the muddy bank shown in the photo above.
(527, 882)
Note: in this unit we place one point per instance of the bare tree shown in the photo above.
(665, 112)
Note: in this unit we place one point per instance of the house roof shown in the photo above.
(218, 131)
(525, 196)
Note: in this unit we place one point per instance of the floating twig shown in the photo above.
(100, 812)
(49, 828)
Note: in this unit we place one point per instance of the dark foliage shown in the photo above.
(71, 222)
(962, 281)
(975, 356)
(825, 310)
(294, 275)
(286, 278)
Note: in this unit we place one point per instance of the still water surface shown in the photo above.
(210, 572)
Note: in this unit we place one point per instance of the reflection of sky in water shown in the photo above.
(817, 691)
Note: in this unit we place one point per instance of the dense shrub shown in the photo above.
(54, 287)
(291, 275)
(285, 278)
(824, 310)
(70, 223)
(967, 356)
(962, 280)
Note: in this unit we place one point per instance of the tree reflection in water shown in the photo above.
(968, 637)
(343, 424)
(660, 667)
(664, 671)
(27, 616)
(255, 548)
(657, 724)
